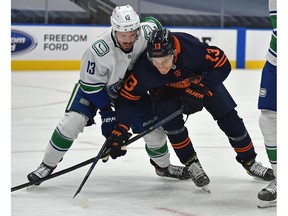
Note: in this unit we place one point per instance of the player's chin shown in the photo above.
(163, 72)
(127, 47)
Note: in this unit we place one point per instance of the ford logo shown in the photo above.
(21, 42)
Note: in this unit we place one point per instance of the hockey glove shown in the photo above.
(116, 141)
(193, 98)
(108, 122)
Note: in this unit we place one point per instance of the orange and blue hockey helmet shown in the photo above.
(160, 43)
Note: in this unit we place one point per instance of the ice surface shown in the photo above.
(128, 186)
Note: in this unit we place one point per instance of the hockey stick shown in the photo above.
(53, 175)
(80, 201)
(84, 163)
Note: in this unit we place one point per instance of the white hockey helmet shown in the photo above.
(124, 19)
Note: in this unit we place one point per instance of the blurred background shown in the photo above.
(193, 13)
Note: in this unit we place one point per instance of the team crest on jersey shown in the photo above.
(113, 90)
(101, 48)
(185, 83)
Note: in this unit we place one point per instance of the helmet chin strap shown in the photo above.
(174, 59)
(115, 38)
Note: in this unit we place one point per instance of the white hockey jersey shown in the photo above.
(104, 64)
(271, 55)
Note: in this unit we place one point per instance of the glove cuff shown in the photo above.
(123, 126)
(206, 90)
(200, 87)
(120, 130)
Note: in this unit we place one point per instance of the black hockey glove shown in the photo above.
(193, 98)
(108, 122)
(116, 141)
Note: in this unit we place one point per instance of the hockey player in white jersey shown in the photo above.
(267, 103)
(103, 68)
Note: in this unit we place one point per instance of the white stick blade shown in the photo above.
(80, 201)
(206, 189)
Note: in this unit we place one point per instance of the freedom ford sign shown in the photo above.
(21, 42)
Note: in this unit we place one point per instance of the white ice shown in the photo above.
(128, 186)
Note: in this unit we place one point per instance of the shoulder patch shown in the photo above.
(101, 47)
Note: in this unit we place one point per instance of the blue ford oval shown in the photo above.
(21, 42)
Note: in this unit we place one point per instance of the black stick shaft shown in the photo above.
(53, 175)
(103, 149)
(84, 163)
